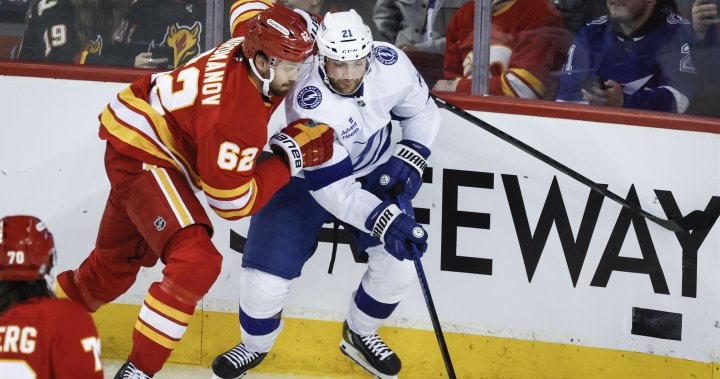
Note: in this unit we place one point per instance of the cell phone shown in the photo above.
(601, 84)
(163, 52)
(716, 2)
(594, 82)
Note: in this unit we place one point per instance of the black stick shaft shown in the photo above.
(431, 307)
(434, 317)
(697, 220)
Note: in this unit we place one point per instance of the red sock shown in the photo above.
(160, 326)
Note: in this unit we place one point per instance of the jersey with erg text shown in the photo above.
(205, 119)
(49, 338)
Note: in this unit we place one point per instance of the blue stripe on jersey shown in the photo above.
(258, 326)
(372, 307)
(322, 177)
(380, 141)
(397, 118)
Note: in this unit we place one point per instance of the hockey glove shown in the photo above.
(404, 168)
(303, 143)
(397, 231)
(310, 20)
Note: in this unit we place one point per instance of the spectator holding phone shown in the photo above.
(704, 17)
(415, 25)
(706, 54)
(637, 56)
(162, 34)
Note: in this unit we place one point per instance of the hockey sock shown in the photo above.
(161, 324)
(192, 265)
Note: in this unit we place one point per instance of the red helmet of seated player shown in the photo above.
(27, 249)
(280, 34)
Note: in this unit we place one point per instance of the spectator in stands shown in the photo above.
(68, 30)
(528, 38)
(319, 7)
(411, 26)
(577, 13)
(161, 34)
(704, 21)
(706, 54)
(59, 339)
(638, 56)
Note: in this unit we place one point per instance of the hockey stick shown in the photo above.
(430, 305)
(694, 220)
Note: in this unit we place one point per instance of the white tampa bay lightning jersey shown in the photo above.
(392, 90)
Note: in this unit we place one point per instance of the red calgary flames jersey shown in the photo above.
(207, 120)
(49, 339)
(243, 10)
(528, 40)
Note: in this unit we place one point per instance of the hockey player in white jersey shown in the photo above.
(357, 87)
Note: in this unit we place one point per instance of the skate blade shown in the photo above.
(358, 358)
(241, 375)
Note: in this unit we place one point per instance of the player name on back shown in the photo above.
(14, 339)
(215, 71)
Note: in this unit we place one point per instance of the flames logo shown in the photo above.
(184, 41)
(95, 46)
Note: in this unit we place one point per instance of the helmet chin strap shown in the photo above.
(266, 82)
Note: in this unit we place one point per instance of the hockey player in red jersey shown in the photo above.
(200, 127)
(243, 10)
(40, 337)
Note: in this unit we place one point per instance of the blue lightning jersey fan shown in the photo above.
(653, 65)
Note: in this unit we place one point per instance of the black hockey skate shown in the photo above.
(235, 362)
(371, 353)
(129, 371)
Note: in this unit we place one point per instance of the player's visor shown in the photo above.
(294, 70)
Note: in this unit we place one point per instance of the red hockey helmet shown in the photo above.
(27, 249)
(279, 33)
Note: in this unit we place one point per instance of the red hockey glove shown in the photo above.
(303, 143)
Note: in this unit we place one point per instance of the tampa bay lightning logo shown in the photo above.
(309, 97)
(386, 55)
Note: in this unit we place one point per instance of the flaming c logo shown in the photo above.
(95, 46)
(184, 40)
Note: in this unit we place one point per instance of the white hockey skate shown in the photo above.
(371, 353)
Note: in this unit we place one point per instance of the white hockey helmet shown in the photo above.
(343, 36)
